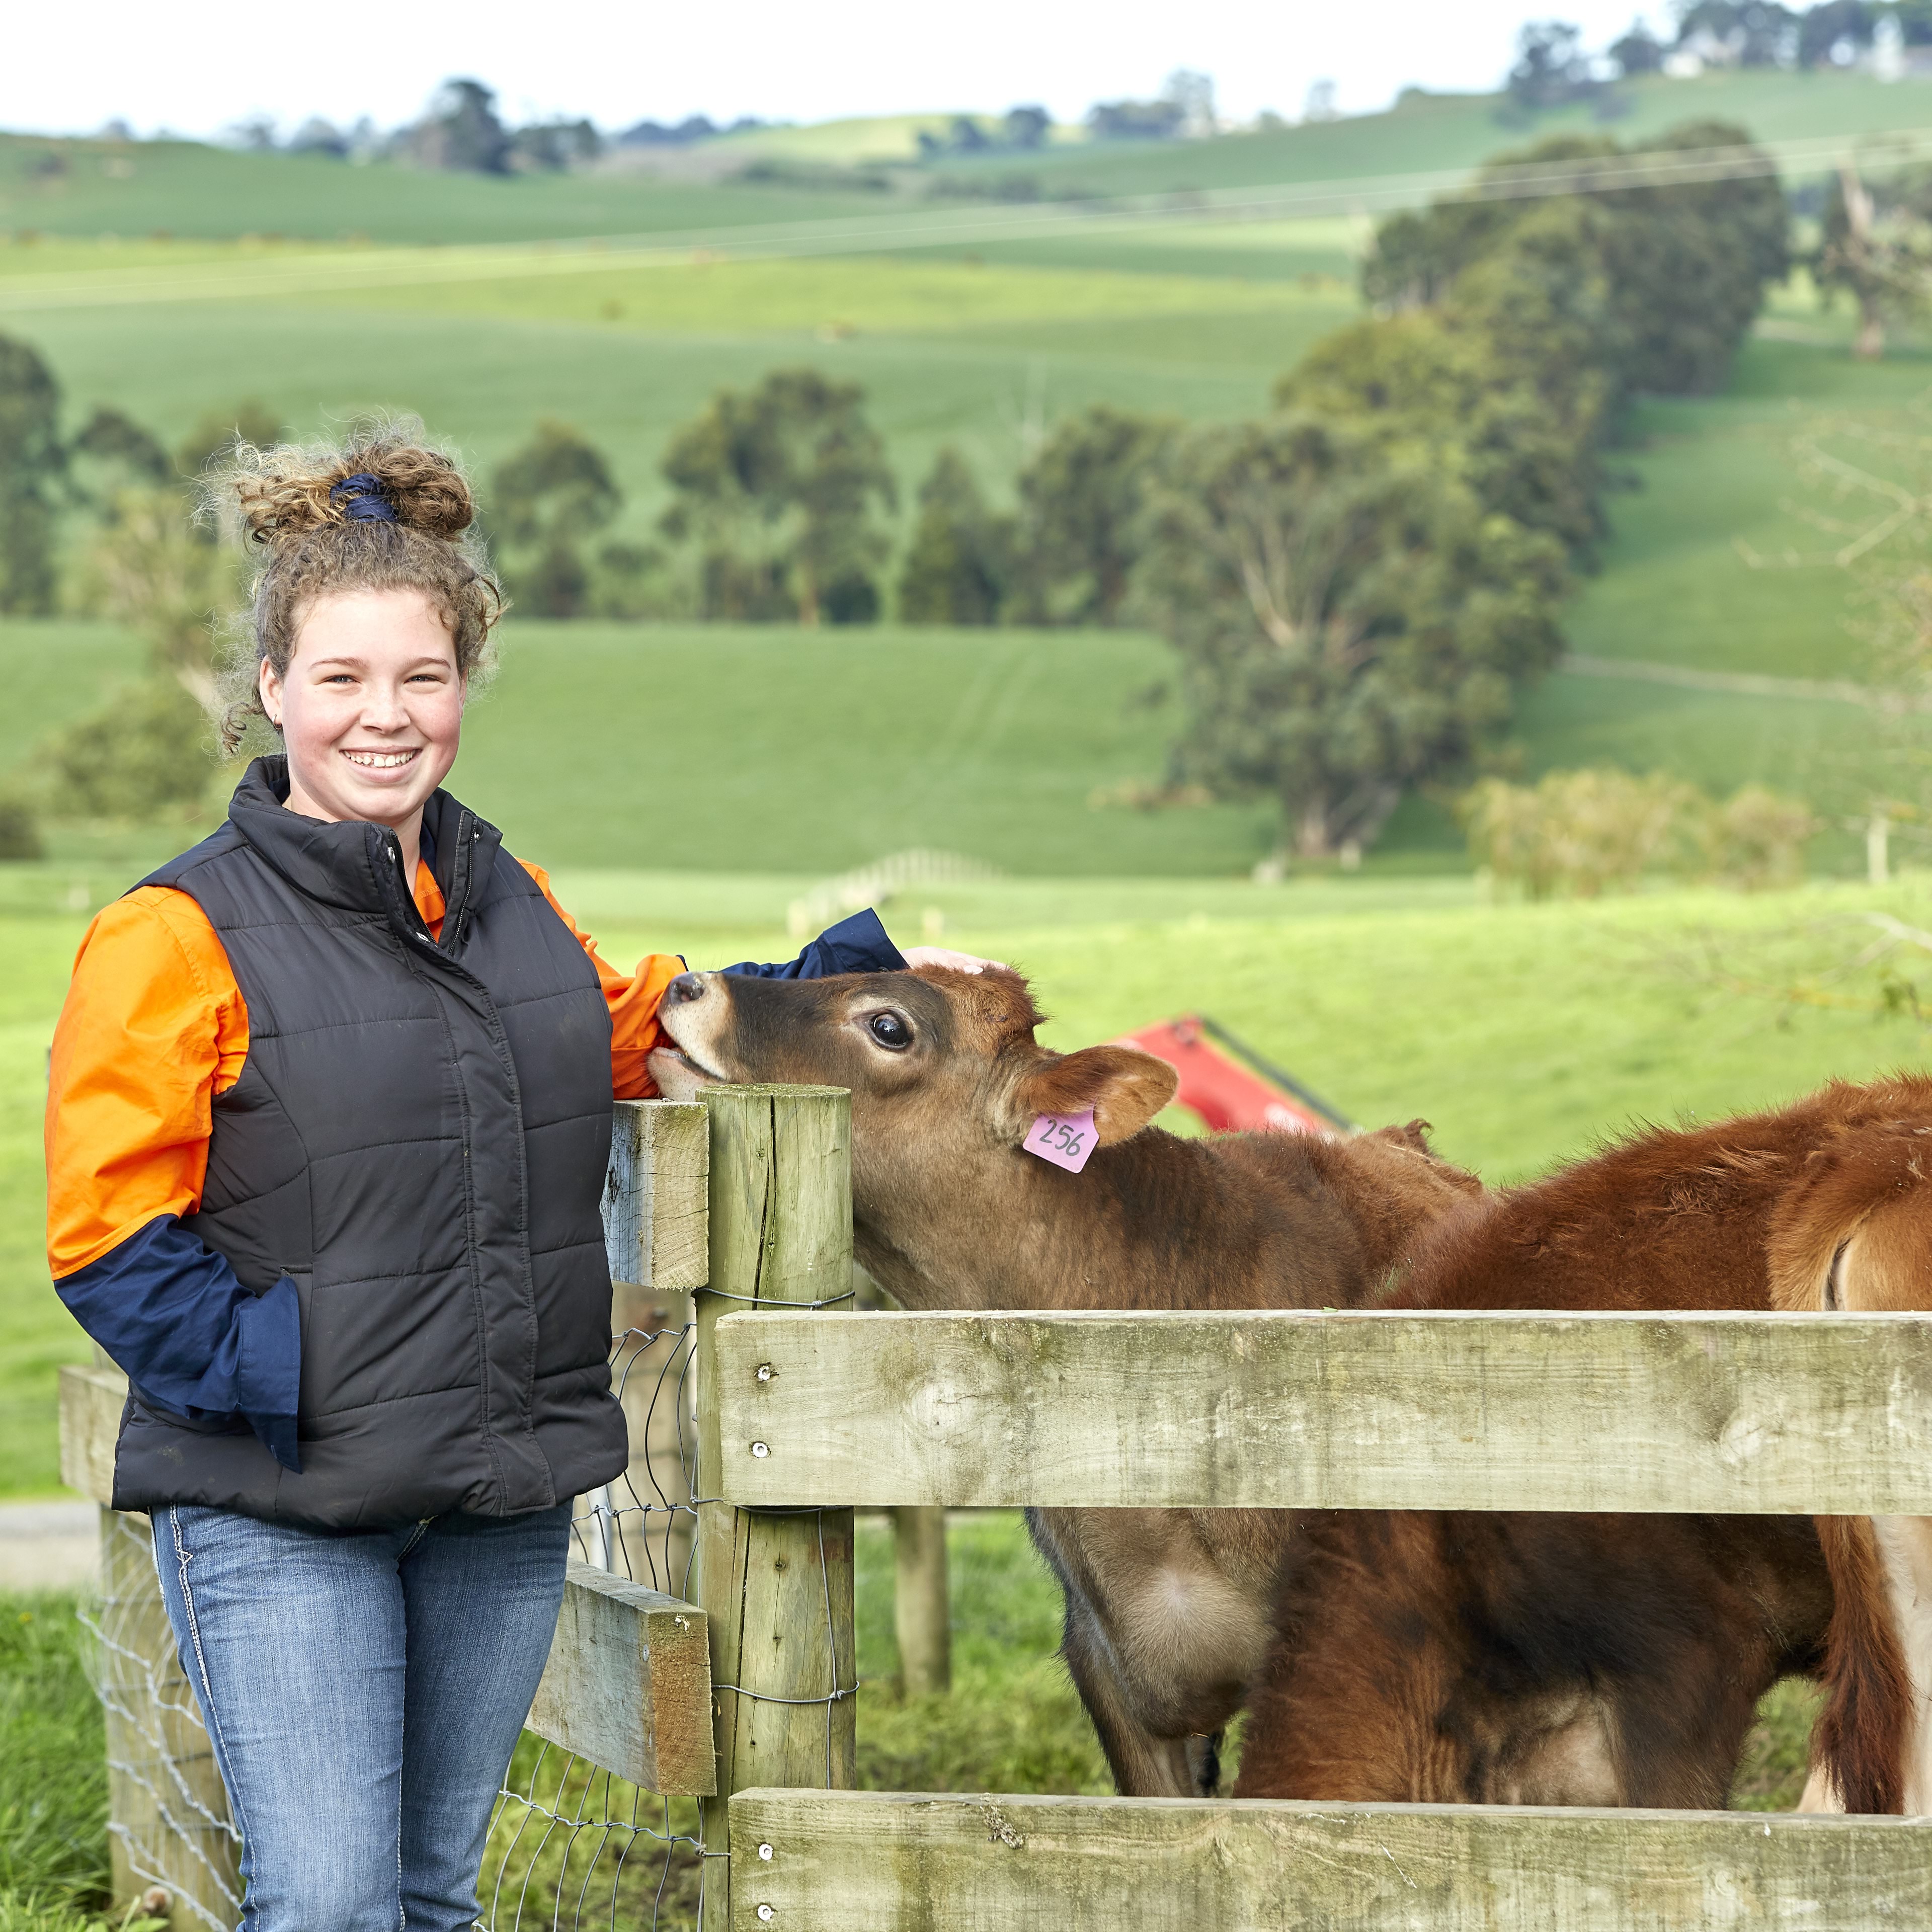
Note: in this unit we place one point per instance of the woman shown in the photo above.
(329, 1119)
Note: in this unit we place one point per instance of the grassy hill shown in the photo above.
(91, 186)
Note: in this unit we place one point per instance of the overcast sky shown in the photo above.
(196, 66)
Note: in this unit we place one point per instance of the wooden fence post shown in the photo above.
(775, 1586)
(922, 1615)
(654, 1228)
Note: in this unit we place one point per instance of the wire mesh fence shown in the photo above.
(169, 1825)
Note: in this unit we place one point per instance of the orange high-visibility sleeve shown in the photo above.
(153, 1027)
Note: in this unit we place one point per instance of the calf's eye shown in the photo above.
(890, 1031)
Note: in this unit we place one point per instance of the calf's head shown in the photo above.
(945, 1077)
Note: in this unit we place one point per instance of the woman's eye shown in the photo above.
(890, 1031)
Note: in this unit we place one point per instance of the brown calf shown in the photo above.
(1602, 1660)
(1855, 1233)
(1167, 1610)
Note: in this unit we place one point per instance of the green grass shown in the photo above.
(53, 1776)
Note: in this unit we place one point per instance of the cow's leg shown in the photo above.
(1143, 1765)
(1166, 1619)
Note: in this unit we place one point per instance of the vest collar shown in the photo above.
(350, 864)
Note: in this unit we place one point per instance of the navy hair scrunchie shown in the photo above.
(362, 499)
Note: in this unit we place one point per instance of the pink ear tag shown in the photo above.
(1065, 1139)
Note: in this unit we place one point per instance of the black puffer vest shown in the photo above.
(419, 1139)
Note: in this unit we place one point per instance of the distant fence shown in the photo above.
(660, 1781)
(873, 885)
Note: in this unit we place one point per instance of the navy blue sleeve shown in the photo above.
(194, 1342)
(859, 944)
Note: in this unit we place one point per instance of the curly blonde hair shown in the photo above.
(318, 539)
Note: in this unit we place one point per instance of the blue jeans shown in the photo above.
(363, 1694)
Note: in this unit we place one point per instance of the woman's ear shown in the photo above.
(1126, 1089)
(268, 690)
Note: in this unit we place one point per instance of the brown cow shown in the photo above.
(1167, 1610)
(1855, 1233)
(1594, 1660)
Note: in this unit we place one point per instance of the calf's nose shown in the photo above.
(686, 988)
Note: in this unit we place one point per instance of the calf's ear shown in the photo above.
(1124, 1087)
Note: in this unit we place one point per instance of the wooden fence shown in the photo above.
(804, 1414)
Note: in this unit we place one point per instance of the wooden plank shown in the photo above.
(778, 1588)
(628, 1683)
(655, 1194)
(1784, 1414)
(866, 1861)
(91, 1402)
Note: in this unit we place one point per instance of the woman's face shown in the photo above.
(371, 709)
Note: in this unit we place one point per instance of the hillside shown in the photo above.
(92, 187)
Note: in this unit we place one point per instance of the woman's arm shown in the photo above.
(153, 1027)
(859, 944)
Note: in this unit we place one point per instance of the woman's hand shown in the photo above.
(916, 956)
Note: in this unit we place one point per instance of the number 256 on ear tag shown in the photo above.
(1065, 1139)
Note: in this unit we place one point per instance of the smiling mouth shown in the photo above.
(383, 761)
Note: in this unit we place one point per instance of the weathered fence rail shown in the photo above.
(876, 1861)
(1781, 1414)
(741, 1690)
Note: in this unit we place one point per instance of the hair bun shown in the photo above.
(289, 491)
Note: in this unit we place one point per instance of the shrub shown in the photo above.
(20, 828)
(1586, 833)
(143, 754)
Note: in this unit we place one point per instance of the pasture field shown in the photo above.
(810, 752)
(985, 356)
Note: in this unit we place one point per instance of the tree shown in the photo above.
(1026, 127)
(33, 467)
(161, 578)
(552, 146)
(959, 566)
(219, 430)
(777, 486)
(124, 453)
(1752, 33)
(140, 755)
(461, 131)
(1551, 68)
(1192, 94)
(1420, 382)
(1683, 265)
(1081, 501)
(546, 498)
(1135, 120)
(1638, 52)
(1875, 246)
(1348, 625)
(1831, 32)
